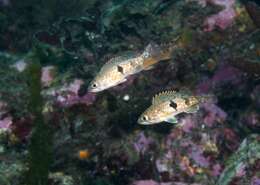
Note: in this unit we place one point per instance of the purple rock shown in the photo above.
(214, 114)
(198, 157)
(225, 74)
(142, 144)
(216, 170)
(188, 124)
(223, 18)
(6, 123)
(255, 181)
(68, 95)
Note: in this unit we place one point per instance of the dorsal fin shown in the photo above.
(152, 50)
(121, 58)
(164, 96)
(169, 47)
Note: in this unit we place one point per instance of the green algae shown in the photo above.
(248, 153)
(40, 148)
(110, 28)
(10, 173)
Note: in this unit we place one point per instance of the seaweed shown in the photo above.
(40, 148)
(77, 37)
(248, 153)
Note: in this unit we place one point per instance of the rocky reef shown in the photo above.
(53, 131)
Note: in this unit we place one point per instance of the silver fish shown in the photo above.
(117, 69)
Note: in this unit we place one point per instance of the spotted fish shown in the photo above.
(117, 69)
(166, 105)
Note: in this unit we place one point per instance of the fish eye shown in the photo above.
(94, 85)
(145, 118)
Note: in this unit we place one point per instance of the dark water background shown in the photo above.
(54, 132)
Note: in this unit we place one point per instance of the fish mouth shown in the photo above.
(141, 122)
(92, 90)
(150, 122)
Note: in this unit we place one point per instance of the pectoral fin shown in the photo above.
(148, 68)
(193, 109)
(172, 120)
(149, 63)
(124, 80)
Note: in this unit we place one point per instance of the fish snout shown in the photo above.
(93, 87)
(143, 120)
(90, 89)
(140, 122)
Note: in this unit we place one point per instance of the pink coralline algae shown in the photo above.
(164, 163)
(73, 99)
(195, 152)
(213, 114)
(142, 143)
(216, 170)
(47, 75)
(222, 19)
(68, 96)
(195, 155)
(47, 72)
(188, 123)
(198, 157)
(255, 181)
(225, 74)
(6, 123)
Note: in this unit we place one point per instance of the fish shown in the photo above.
(166, 105)
(117, 70)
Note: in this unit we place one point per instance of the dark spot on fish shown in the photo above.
(187, 101)
(120, 69)
(173, 105)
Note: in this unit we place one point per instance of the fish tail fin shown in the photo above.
(168, 48)
(153, 54)
(152, 50)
